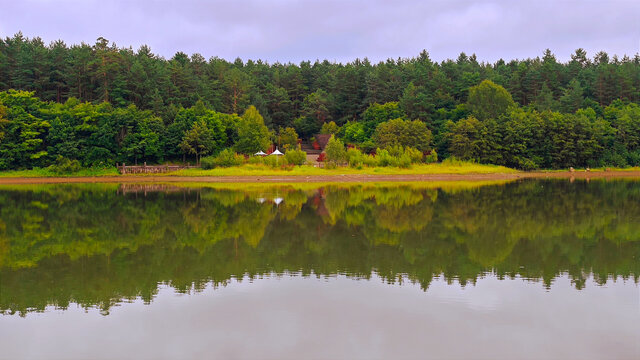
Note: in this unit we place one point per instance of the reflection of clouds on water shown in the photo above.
(292, 316)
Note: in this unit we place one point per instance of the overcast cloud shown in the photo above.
(295, 30)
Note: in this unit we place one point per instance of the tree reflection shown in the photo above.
(97, 245)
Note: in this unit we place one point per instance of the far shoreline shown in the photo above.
(332, 178)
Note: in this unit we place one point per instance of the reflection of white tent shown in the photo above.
(278, 200)
(276, 153)
(260, 153)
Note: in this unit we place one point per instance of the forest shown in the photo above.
(101, 104)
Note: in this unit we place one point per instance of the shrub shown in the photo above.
(295, 157)
(414, 154)
(454, 161)
(432, 157)
(207, 162)
(384, 158)
(63, 165)
(369, 160)
(273, 161)
(225, 158)
(395, 150)
(404, 161)
(335, 151)
(526, 164)
(614, 159)
(355, 157)
(256, 160)
(634, 158)
(368, 146)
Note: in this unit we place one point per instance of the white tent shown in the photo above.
(260, 153)
(277, 152)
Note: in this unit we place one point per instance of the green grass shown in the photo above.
(446, 167)
(306, 170)
(37, 173)
(599, 169)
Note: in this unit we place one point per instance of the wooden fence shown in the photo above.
(152, 169)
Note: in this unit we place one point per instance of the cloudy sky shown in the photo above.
(340, 30)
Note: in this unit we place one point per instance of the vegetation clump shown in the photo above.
(65, 166)
(226, 158)
(295, 157)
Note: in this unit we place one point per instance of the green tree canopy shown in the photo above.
(253, 135)
(489, 100)
(403, 132)
(330, 128)
(336, 153)
(198, 140)
(288, 138)
(376, 114)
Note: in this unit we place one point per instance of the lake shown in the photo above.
(462, 270)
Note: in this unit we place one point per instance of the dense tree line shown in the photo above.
(126, 105)
(282, 93)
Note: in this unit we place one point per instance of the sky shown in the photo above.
(341, 30)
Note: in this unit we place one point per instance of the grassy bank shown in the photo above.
(457, 167)
(306, 170)
(48, 173)
(453, 168)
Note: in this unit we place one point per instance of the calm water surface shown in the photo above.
(525, 270)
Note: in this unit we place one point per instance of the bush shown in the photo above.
(207, 162)
(404, 161)
(369, 160)
(384, 158)
(295, 157)
(395, 150)
(355, 157)
(526, 164)
(226, 158)
(614, 159)
(414, 154)
(633, 158)
(454, 161)
(272, 161)
(335, 151)
(65, 166)
(367, 146)
(400, 156)
(256, 160)
(432, 157)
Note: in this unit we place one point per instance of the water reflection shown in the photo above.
(98, 245)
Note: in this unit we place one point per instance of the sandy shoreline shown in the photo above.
(326, 178)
